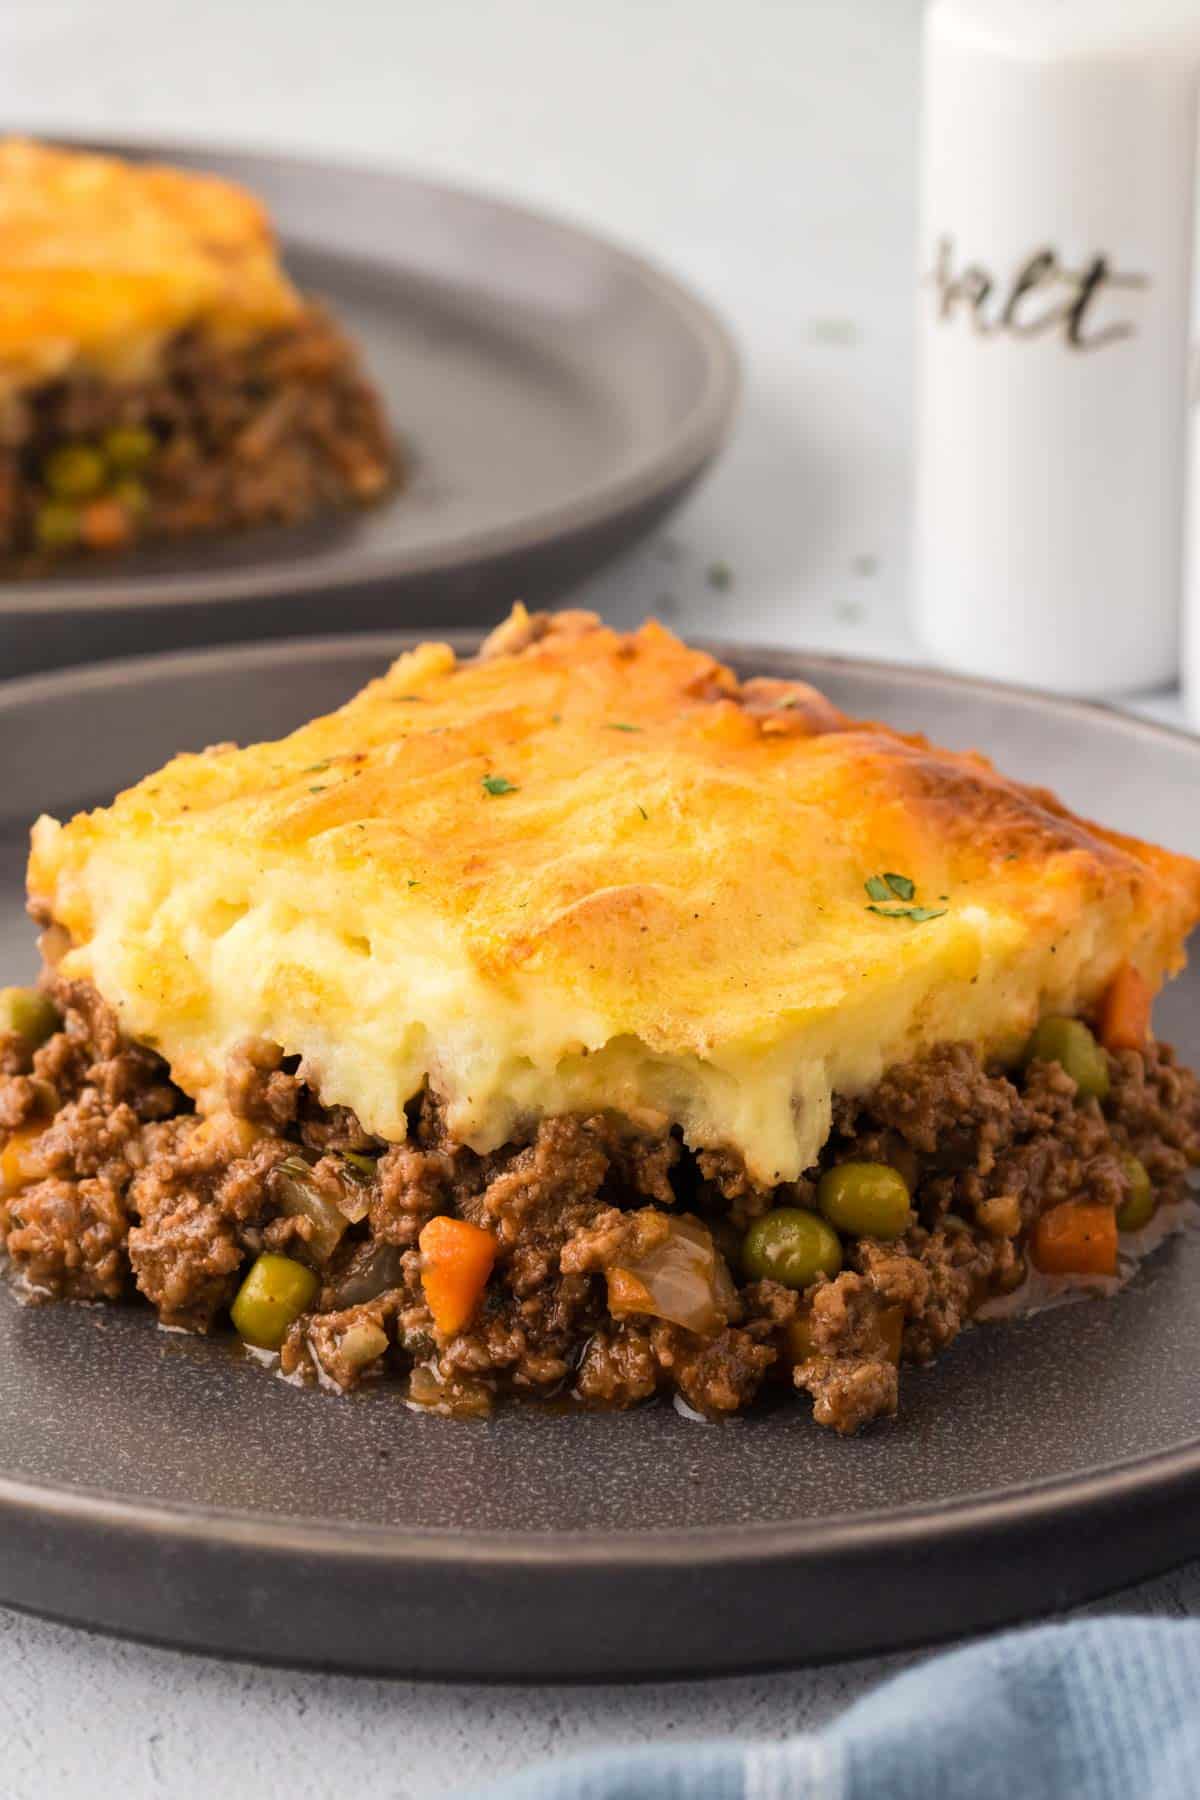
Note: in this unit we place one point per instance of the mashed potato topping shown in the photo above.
(591, 871)
(101, 261)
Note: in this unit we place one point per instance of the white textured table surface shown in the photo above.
(766, 151)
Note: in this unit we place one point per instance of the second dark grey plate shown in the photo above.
(162, 1486)
(556, 394)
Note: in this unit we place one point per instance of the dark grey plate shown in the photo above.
(164, 1487)
(556, 394)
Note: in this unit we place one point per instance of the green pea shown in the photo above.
(74, 472)
(128, 447)
(131, 493)
(1139, 1208)
(790, 1246)
(1070, 1043)
(865, 1199)
(27, 1014)
(272, 1297)
(362, 1344)
(55, 525)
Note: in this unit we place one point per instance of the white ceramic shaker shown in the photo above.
(1059, 145)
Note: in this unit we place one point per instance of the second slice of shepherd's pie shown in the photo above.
(582, 1015)
(159, 374)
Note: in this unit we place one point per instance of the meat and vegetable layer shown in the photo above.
(591, 1256)
(223, 436)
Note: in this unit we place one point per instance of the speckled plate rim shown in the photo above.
(693, 445)
(1124, 1483)
(1101, 1528)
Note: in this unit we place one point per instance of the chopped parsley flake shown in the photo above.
(499, 784)
(317, 768)
(720, 576)
(620, 725)
(643, 812)
(917, 915)
(320, 788)
(414, 884)
(890, 886)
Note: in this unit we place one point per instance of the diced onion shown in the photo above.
(300, 1198)
(428, 1393)
(368, 1279)
(425, 1387)
(682, 1279)
(359, 1172)
(362, 1343)
(689, 1412)
(354, 1205)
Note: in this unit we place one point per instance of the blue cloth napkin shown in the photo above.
(1104, 1710)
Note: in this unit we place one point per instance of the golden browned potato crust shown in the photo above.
(589, 869)
(102, 261)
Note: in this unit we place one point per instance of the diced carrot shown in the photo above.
(18, 1166)
(798, 1343)
(627, 1294)
(891, 1331)
(1076, 1238)
(456, 1261)
(1125, 1010)
(104, 525)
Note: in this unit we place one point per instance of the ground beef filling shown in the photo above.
(112, 1186)
(274, 431)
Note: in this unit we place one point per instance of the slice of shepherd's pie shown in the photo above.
(579, 1018)
(159, 374)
